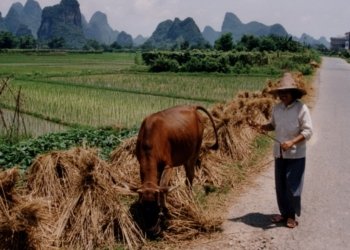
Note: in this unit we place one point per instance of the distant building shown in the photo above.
(338, 43)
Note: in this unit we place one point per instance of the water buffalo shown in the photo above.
(166, 139)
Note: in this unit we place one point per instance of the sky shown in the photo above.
(141, 17)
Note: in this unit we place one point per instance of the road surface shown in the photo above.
(325, 218)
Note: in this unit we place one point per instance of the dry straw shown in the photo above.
(23, 220)
(188, 218)
(89, 213)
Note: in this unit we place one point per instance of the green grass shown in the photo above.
(39, 65)
(206, 87)
(108, 89)
(89, 107)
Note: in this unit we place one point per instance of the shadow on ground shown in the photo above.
(259, 220)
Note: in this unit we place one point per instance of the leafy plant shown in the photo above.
(23, 152)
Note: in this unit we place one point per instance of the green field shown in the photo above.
(109, 89)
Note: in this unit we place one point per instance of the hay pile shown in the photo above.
(188, 218)
(123, 161)
(23, 219)
(87, 212)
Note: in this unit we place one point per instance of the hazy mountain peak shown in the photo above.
(233, 25)
(73, 3)
(16, 7)
(63, 20)
(13, 17)
(169, 33)
(210, 34)
(31, 5)
(99, 17)
(230, 19)
(98, 29)
(31, 16)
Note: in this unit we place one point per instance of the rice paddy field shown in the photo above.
(107, 89)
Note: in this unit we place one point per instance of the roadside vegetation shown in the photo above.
(340, 53)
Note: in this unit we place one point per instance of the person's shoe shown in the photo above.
(291, 223)
(277, 218)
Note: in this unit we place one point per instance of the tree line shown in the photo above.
(267, 54)
(223, 43)
(10, 41)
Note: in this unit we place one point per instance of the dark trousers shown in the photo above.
(289, 179)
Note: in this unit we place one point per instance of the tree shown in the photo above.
(224, 42)
(57, 43)
(115, 45)
(185, 45)
(286, 43)
(92, 45)
(250, 42)
(27, 42)
(7, 40)
(267, 44)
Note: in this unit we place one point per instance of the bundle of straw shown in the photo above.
(90, 213)
(125, 164)
(8, 180)
(23, 220)
(188, 219)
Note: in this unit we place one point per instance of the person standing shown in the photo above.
(292, 124)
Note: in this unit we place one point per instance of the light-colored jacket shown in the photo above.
(289, 122)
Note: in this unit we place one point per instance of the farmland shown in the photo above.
(85, 97)
(109, 89)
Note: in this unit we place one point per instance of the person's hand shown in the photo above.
(287, 145)
(260, 128)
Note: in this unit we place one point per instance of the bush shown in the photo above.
(241, 62)
(305, 69)
(193, 65)
(240, 68)
(164, 64)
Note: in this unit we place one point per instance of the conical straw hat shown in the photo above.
(288, 83)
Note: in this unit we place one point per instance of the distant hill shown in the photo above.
(233, 25)
(210, 34)
(98, 29)
(139, 40)
(19, 16)
(13, 17)
(32, 16)
(307, 39)
(63, 20)
(169, 33)
(2, 23)
(125, 40)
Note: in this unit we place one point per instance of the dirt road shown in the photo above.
(325, 218)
